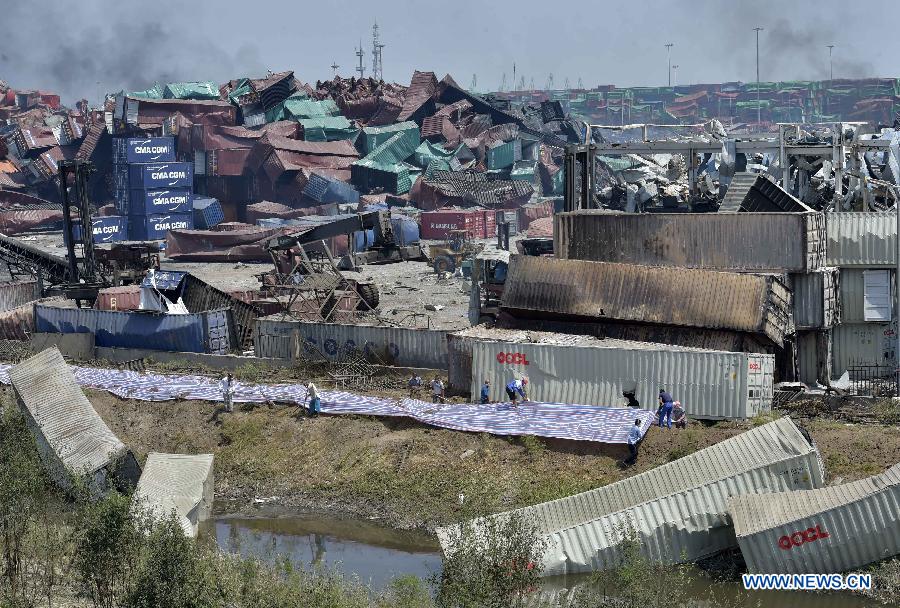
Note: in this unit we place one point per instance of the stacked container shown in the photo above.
(153, 190)
(478, 223)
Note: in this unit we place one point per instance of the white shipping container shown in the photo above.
(823, 531)
(678, 510)
(712, 385)
(182, 483)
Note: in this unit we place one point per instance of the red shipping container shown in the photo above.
(436, 225)
(119, 298)
(490, 224)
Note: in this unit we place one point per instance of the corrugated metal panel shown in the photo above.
(177, 482)
(193, 333)
(806, 357)
(13, 295)
(678, 510)
(663, 296)
(862, 239)
(199, 296)
(834, 529)
(852, 295)
(712, 385)
(62, 418)
(782, 242)
(816, 297)
(395, 345)
(863, 343)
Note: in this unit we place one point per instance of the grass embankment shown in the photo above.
(412, 476)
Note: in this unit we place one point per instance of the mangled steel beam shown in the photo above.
(745, 242)
(73, 441)
(760, 193)
(826, 530)
(577, 290)
(676, 511)
(178, 483)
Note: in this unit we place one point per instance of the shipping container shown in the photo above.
(160, 176)
(182, 483)
(13, 295)
(150, 202)
(500, 155)
(155, 227)
(401, 346)
(677, 510)
(204, 332)
(712, 385)
(862, 239)
(814, 353)
(823, 531)
(868, 344)
(125, 298)
(478, 223)
(207, 213)
(816, 297)
(866, 295)
(754, 242)
(550, 288)
(105, 229)
(511, 217)
(143, 150)
(73, 440)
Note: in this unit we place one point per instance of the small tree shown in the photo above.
(109, 540)
(492, 563)
(173, 572)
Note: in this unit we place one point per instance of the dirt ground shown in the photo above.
(411, 476)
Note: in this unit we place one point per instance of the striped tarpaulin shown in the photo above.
(560, 420)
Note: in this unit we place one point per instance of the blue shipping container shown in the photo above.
(149, 202)
(160, 176)
(144, 149)
(155, 227)
(207, 213)
(106, 229)
(204, 332)
(406, 230)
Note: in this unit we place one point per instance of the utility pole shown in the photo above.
(334, 66)
(669, 60)
(830, 65)
(675, 67)
(758, 108)
(514, 75)
(474, 84)
(377, 66)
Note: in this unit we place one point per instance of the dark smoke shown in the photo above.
(800, 52)
(128, 46)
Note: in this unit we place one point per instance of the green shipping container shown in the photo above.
(500, 156)
(372, 137)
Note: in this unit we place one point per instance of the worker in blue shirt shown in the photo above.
(486, 391)
(516, 388)
(665, 408)
(634, 438)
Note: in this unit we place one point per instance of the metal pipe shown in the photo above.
(758, 109)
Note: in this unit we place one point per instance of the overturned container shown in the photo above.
(828, 530)
(676, 511)
(712, 385)
(575, 290)
(73, 440)
(182, 483)
(746, 242)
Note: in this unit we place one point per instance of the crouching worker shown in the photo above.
(516, 388)
(679, 416)
(634, 439)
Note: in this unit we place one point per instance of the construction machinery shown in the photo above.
(87, 267)
(489, 269)
(308, 281)
(447, 257)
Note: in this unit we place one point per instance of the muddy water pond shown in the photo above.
(376, 554)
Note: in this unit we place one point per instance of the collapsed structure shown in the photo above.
(677, 511)
(178, 484)
(72, 439)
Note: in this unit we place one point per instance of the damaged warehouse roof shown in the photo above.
(678, 510)
(73, 438)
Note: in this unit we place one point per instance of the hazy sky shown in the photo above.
(131, 44)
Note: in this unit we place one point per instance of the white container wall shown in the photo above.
(861, 239)
(863, 343)
(401, 346)
(824, 531)
(677, 510)
(712, 385)
(182, 483)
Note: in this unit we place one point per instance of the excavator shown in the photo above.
(308, 279)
